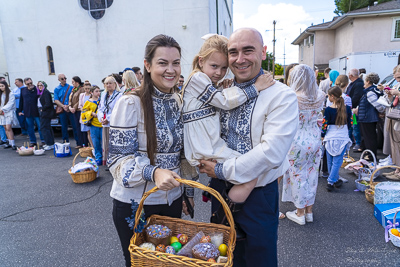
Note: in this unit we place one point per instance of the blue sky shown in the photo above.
(291, 16)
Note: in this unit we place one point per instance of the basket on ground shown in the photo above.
(395, 239)
(370, 192)
(366, 173)
(347, 159)
(82, 177)
(86, 152)
(144, 257)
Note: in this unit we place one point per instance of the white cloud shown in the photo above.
(290, 18)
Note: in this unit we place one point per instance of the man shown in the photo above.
(325, 84)
(262, 129)
(61, 97)
(139, 75)
(181, 81)
(355, 91)
(28, 107)
(2, 79)
(17, 93)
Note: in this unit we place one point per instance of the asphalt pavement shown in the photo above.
(47, 220)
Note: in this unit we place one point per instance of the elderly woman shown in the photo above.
(301, 180)
(146, 140)
(108, 100)
(368, 113)
(46, 115)
(394, 127)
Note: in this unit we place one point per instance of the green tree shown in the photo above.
(344, 6)
(278, 69)
(267, 63)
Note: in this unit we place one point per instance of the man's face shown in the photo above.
(62, 79)
(180, 82)
(139, 75)
(245, 53)
(18, 83)
(29, 84)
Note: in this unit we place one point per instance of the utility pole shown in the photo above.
(273, 51)
(284, 64)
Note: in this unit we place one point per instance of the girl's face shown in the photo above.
(2, 87)
(40, 86)
(96, 92)
(331, 98)
(164, 68)
(215, 66)
(87, 89)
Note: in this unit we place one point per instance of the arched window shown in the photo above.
(50, 61)
(96, 8)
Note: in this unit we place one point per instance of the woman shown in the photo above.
(394, 128)
(82, 100)
(73, 104)
(130, 81)
(107, 102)
(333, 74)
(147, 131)
(89, 113)
(46, 115)
(7, 113)
(301, 180)
(368, 113)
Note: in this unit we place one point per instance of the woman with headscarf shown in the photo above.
(333, 74)
(46, 115)
(301, 180)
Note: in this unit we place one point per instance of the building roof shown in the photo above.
(388, 8)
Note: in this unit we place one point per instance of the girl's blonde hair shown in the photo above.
(341, 117)
(216, 43)
(342, 81)
(130, 79)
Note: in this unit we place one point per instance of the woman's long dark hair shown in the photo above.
(78, 80)
(341, 117)
(146, 89)
(7, 92)
(287, 70)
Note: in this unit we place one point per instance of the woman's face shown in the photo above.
(40, 86)
(165, 68)
(87, 89)
(110, 86)
(2, 87)
(367, 83)
(74, 84)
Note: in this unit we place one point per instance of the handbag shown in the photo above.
(59, 109)
(394, 111)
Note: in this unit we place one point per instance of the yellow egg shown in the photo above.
(222, 249)
(174, 239)
(395, 231)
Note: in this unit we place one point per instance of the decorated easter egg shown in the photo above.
(205, 239)
(211, 260)
(160, 248)
(183, 239)
(174, 239)
(170, 250)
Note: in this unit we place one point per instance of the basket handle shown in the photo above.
(73, 162)
(372, 153)
(380, 168)
(232, 232)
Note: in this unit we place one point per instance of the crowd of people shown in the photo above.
(246, 134)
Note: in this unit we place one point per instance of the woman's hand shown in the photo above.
(226, 83)
(264, 81)
(72, 110)
(94, 115)
(207, 166)
(355, 111)
(104, 121)
(165, 179)
(184, 207)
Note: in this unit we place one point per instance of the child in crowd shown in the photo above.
(335, 134)
(200, 109)
(89, 114)
(83, 97)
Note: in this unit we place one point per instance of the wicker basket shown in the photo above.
(370, 195)
(82, 177)
(395, 239)
(144, 257)
(86, 152)
(370, 192)
(347, 160)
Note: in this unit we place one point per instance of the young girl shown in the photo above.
(202, 99)
(89, 112)
(337, 121)
(83, 97)
(7, 113)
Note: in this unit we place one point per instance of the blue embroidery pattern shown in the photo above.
(198, 114)
(123, 142)
(218, 171)
(147, 172)
(236, 123)
(168, 161)
(207, 95)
